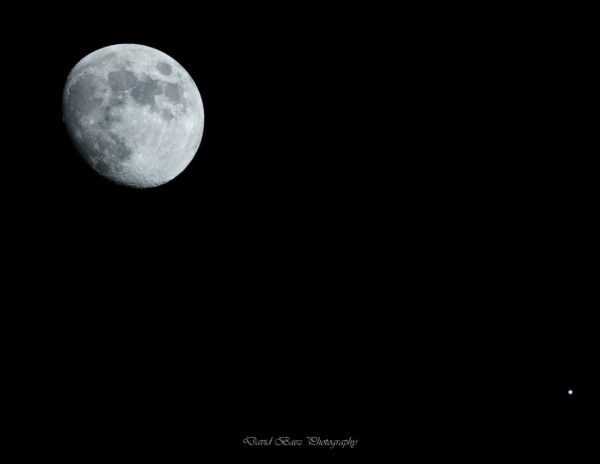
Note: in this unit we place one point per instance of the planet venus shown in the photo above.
(134, 114)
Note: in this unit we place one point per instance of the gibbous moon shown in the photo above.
(134, 114)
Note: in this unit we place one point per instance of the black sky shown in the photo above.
(390, 220)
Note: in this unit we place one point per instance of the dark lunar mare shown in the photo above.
(121, 80)
(145, 92)
(164, 68)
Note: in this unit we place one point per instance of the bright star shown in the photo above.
(570, 392)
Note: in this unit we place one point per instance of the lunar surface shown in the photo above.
(134, 114)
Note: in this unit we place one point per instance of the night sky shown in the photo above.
(388, 233)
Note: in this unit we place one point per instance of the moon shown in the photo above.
(134, 114)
